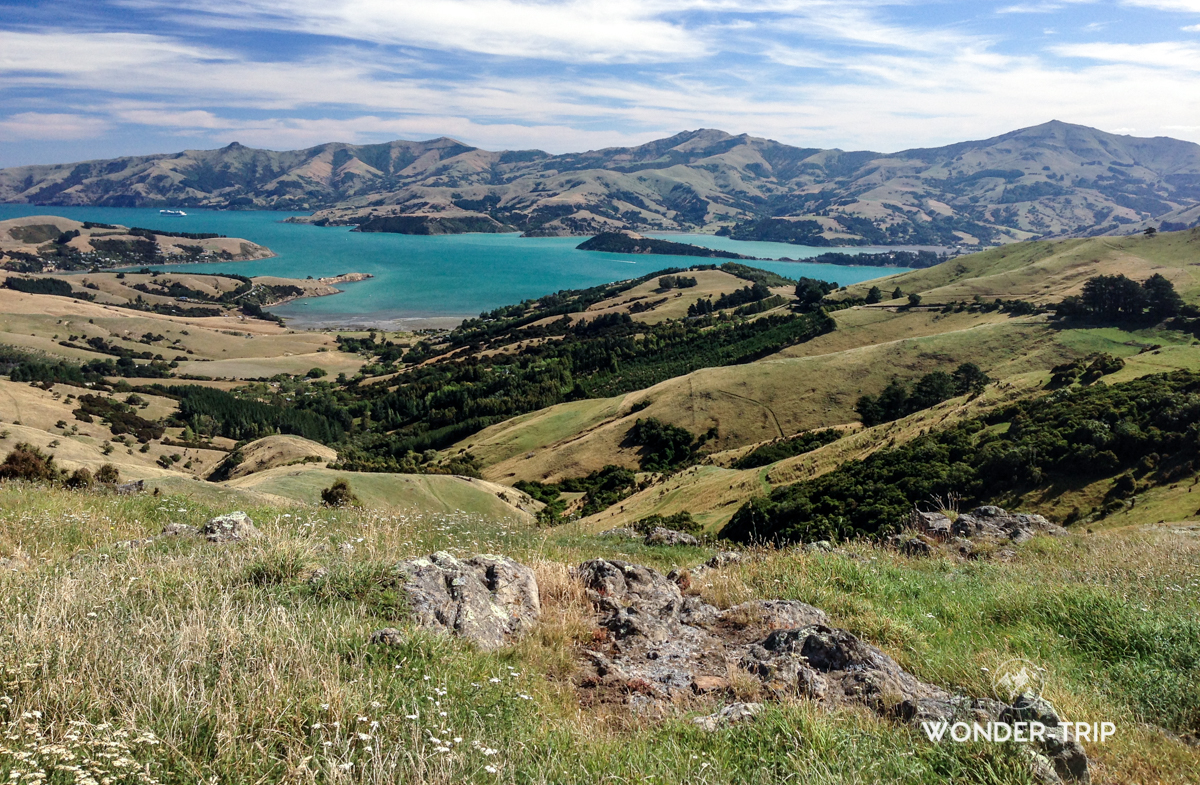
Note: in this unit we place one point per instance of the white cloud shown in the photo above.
(1192, 6)
(292, 132)
(807, 72)
(1169, 55)
(1030, 8)
(577, 30)
(31, 126)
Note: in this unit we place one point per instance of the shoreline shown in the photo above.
(383, 324)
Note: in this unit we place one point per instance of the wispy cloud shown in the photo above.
(1169, 55)
(574, 74)
(42, 125)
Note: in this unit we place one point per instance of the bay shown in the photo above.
(421, 278)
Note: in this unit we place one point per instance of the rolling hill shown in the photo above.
(1052, 180)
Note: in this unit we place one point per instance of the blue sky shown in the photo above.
(99, 78)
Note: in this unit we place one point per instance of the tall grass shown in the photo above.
(249, 663)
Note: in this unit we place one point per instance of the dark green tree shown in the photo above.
(932, 389)
(1161, 298)
(969, 378)
(875, 295)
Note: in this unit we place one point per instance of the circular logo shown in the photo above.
(1015, 678)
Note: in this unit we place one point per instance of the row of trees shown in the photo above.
(676, 282)
(898, 400)
(1115, 299)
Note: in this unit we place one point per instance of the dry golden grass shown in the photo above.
(1047, 271)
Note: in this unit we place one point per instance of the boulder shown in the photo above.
(388, 636)
(990, 522)
(734, 712)
(131, 488)
(655, 647)
(489, 600)
(932, 524)
(233, 527)
(635, 600)
(911, 544)
(1063, 752)
(661, 536)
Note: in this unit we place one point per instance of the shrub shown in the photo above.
(339, 495)
(27, 462)
(680, 521)
(108, 474)
(81, 478)
(664, 446)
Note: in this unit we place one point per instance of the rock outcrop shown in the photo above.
(733, 713)
(660, 536)
(656, 536)
(232, 527)
(490, 600)
(933, 531)
(656, 647)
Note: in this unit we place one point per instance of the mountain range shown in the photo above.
(1051, 180)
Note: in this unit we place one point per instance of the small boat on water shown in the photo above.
(172, 212)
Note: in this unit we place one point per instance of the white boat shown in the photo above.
(172, 212)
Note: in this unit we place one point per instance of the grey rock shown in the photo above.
(1019, 536)
(911, 544)
(933, 524)
(733, 713)
(724, 559)
(964, 546)
(820, 546)
(180, 530)
(131, 544)
(388, 636)
(613, 585)
(233, 527)
(486, 599)
(662, 647)
(774, 614)
(1064, 752)
(130, 488)
(661, 536)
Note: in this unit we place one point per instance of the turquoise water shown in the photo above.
(763, 250)
(420, 277)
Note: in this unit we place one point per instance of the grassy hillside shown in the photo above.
(816, 383)
(421, 494)
(229, 346)
(249, 663)
(182, 660)
(1048, 271)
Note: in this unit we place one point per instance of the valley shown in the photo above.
(758, 415)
